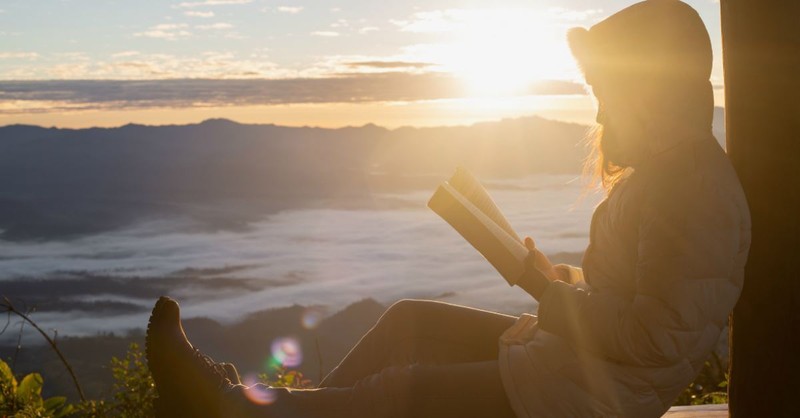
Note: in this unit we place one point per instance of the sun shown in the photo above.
(503, 51)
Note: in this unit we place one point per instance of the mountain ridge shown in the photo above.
(66, 183)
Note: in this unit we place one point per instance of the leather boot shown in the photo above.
(189, 383)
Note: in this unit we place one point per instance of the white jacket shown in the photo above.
(663, 270)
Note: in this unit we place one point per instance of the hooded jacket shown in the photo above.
(662, 272)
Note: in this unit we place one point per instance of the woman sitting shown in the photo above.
(622, 336)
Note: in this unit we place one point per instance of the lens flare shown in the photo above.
(271, 364)
(287, 352)
(258, 394)
(312, 317)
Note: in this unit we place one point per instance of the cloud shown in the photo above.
(19, 55)
(468, 20)
(368, 29)
(433, 21)
(278, 248)
(73, 56)
(194, 13)
(137, 65)
(125, 54)
(235, 35)
(212, 3)
(388, 64)
(341, 23)
(58, 95)
(290, 9)
(215, 26)
(168, 31)
(569, 15)
(325, 33)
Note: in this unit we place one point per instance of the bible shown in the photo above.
(466, 205)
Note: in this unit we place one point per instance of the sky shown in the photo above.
(80, 63)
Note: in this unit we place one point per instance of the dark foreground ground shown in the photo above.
(246, 343)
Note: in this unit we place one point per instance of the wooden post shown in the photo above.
(761, 50)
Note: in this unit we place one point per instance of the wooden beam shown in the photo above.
(761, 51)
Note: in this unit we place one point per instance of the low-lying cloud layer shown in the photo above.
(59, 95)
(322, 256)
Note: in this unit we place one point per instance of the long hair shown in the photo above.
(686, 107)
(598, 170)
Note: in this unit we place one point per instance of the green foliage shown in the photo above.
(709, 387)
(133, 390)
(284, 378)
(132, 395)
(23, 398)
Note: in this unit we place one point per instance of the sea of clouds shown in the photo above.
(320, 256)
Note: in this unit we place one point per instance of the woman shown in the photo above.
(620, 337)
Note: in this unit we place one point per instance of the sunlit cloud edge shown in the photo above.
(41, 96)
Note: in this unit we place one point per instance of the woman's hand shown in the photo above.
(540, 261)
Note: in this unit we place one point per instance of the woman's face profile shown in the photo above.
(622, 117)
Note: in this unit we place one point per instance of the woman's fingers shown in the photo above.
(538, 260)
(529, 244)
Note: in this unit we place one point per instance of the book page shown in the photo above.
(505, 253)
(472, 190)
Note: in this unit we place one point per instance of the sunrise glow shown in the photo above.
(313, 64)
(503, 51)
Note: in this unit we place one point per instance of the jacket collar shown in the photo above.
(673, 152)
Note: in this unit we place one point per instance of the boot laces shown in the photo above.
(213, 369)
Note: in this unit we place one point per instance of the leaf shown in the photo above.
(7, 377)
(57, 407)
(64, 412)
(54, 403)
(30, 389)
(8, 384)
(5, 371)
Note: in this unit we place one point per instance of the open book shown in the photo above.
(464, 203)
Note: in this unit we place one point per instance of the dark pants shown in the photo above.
(421, 359)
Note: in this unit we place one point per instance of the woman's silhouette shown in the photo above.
(620, 337)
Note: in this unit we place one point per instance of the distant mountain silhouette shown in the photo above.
(63, 183)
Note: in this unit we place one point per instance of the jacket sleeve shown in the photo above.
(688, 249)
